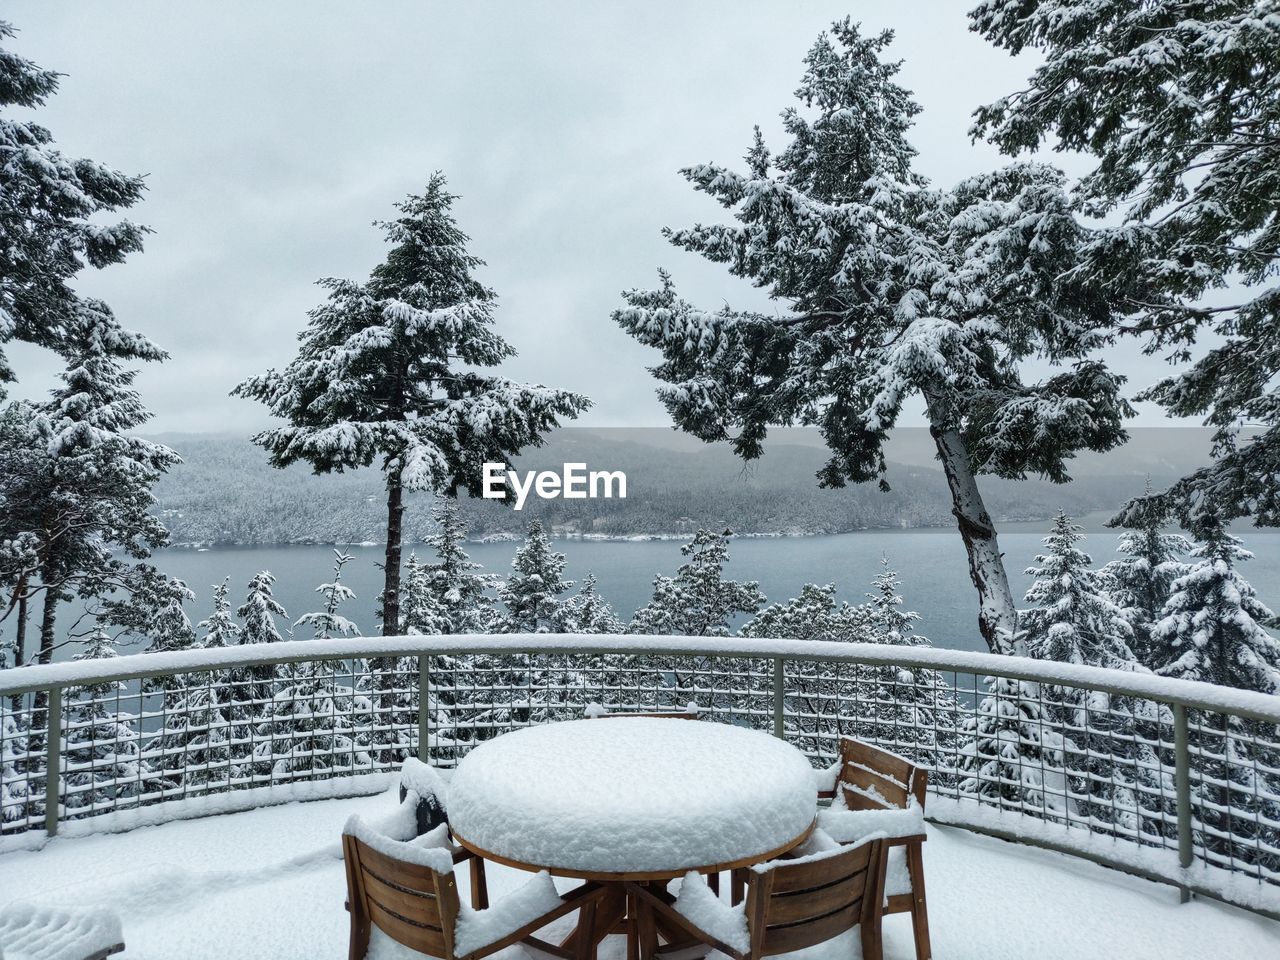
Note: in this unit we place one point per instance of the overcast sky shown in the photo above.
(271, 134)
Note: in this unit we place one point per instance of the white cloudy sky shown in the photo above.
(271, 135)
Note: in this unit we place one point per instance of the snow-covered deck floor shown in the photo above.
(268, 885)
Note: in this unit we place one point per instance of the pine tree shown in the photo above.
(1211, 625)
(1077, 621)
(1141, 581)
(50, 220)
(327, 622)
(92, 481)
(209, 708)
(589, 612)
(1211, 631)
(1011, 756)
(893, 290)
(259, 611)
(387, 371)
(698, 601)
(893, 624)
(170, 630)
(1179, 101)
(310, 718)
(220, 629)
(449, 598)
(15, 799)
(253, 687)
(532, 593)
(1074, 620)
(102, 752)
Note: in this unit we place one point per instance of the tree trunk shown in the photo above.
(20, 641)
(48, 633)
(20, 636)
(391, 568)
(997, 614)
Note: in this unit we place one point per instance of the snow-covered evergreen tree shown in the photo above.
(589, 612)
(206, 717)
(15, 797)
(260, 610)
(253, 687)
(1141, 581)
(1011, 756)
(310, 719)
(446, 596)
(892, 623)
(698, 601)
(51, 218)
(1179, 101)
(102, 748)
(220, 629)
(169, 630)
(327, 622)
(1077, 621)
(1211, 628)
(389, 370)
(1074, 620)
(92, 480)
(894, 290)
(531, 594)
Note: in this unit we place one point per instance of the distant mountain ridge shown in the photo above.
(225, 492)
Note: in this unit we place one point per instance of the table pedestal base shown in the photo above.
(649, 931)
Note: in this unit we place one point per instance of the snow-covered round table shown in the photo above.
(633, 798)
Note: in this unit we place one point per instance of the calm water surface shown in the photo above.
(931, 564)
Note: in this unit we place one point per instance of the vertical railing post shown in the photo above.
(1182, 787)
(52, 761)
(779, 698)
(424, 677)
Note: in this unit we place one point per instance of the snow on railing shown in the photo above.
(1170, 779)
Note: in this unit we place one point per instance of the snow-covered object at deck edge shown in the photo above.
(34, 933)
(634, 794)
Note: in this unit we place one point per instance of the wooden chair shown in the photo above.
(790, 904)
(409, 892)
(872, 779)
(431, 810)
(595, 711)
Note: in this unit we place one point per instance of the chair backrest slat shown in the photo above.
(411, 903)
(875, 779)
(797, 905)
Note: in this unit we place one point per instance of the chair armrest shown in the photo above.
(461, 853)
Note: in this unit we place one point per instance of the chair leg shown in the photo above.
(919, 908)
(737, 887)
(479, 885)
(713, 881)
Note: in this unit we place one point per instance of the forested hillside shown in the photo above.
(225, 492)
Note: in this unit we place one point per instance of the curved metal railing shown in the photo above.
(1172, 780)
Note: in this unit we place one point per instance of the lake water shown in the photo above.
(931, 564)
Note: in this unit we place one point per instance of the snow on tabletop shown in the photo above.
(394, 837)
(705, 910)
(33, 933)
(644, 794)
(479, 928)
(845, 826)
(424, 780)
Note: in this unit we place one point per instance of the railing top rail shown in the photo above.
(1188, 693)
